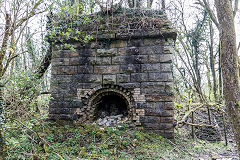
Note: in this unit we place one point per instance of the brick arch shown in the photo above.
(123, 93)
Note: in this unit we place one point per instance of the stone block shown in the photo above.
(118, 44)
(154, 58)
(153, 84)
(74, 53)
(153, 41)
(119, 60)
(121, 78)
(137, 59)
(67, 70)
(132, 51)
(153, 87)
(107, 52)
(57, 96)
(87, 85)
(94, 45)
(130, 68)
(160, 77)
(81, 45)
(166, 58)
(60, 61)
(130, 85)
(156, 67)
(85, 69)
(76, 104)
(64, 86)
(74, 61)
(158, 126)
(168, 49)
(60, 116)
(150, 119)
(55, 54)
(154, 105)
(69, 94)
(166, 67)
(87, 78)
(167, 119)
(61, 54)
(110, 69)
(79, 61)
(169, 105)
(61, 110)
(151, 126)
(156, 77)
(166, 126)
(78, 78)
(83, 53)
(54, 70)
(122, 51)
(109, 79)
(160, 58)
(159, 112)
(169, 87)
(139, 77)
(94, 78)
(55, 103)
(167, 76)
(99, 60)
(102, 44)
(159, 98)
(135, 43)
(150, 50)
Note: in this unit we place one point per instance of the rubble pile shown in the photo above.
(111, 121)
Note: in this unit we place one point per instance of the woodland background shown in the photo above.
(205, 74)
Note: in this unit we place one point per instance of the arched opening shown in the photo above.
(111, 105)
(111, 108)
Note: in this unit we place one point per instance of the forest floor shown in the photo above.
(39, 139)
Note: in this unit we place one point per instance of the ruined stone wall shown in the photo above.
(136, 66)
(141, 65)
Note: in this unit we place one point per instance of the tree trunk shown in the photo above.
(229, 65)
(163, 5)
(45, 63)
(212, 62)
(220, 75)
(208, 78)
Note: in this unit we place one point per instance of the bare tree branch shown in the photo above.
(187, 114)
(199, 125)
(210, 11)
(235, 8)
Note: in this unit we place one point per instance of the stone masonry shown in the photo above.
(136, 67)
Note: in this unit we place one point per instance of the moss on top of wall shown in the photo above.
(119, 24)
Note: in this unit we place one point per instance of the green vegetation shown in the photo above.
(25, 58)
(37, 138)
